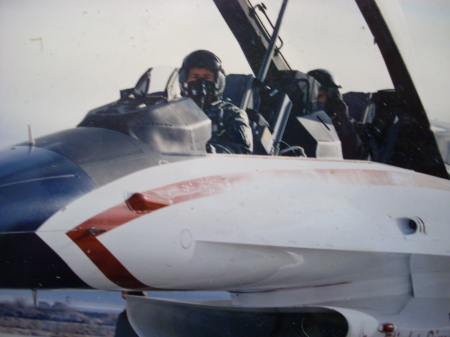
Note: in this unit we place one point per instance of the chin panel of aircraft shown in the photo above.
(306, 242)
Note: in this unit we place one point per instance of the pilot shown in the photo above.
(202, 78)
(330, 100)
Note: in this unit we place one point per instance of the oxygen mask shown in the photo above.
(202, 92)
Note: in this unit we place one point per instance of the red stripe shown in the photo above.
(180, 192)
(111, 267)
(118, 215)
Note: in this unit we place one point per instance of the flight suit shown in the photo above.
(231, 132)
(352, 147)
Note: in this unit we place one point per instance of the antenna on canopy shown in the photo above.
(30, 137)
(286, 104)
(271, 49)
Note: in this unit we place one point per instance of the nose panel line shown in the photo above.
(40, 179)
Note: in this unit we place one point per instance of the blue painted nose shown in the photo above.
(34, 184)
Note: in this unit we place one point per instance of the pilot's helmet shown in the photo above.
(202, 59)
(325, 78)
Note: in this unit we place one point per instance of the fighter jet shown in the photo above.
(307, 242)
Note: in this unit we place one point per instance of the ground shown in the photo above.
(56, 320)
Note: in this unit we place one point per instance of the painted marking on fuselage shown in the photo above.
(97, 252)
(86, 239)
(85, 235)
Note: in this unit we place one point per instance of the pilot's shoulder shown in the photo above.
(231, 108)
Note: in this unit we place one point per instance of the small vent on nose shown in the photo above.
(410, 226)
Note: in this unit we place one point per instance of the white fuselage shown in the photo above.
(260, 224)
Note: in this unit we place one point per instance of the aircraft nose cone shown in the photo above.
(34, 184)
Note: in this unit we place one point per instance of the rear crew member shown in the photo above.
(330, 100)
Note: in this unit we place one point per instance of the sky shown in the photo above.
(60, 59)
